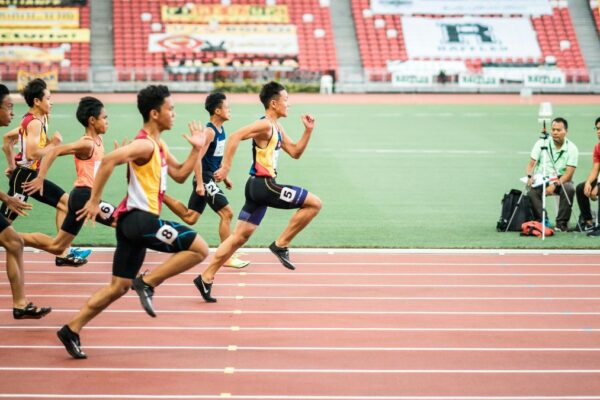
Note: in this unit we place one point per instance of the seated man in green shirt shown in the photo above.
(560, 163)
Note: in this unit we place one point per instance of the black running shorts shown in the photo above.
(213, 196)
(52, 193)
(140, 230)
(263, 192)
(77, 199)
(4, 223)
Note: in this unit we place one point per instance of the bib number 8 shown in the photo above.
(167, 234)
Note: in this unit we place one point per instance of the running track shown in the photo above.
(344, 325)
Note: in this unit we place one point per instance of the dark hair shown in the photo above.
(3, 92)
(214, 101)
(88, 107)
(34, 90)
(563, 121)
(597, 120)
(268, 91)
(151, 98)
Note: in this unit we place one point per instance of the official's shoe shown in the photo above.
(204, 289)
(283, 254)
(145, 293)
(235, 262)
(561, 227)
(30, 312)
(583, 227)
(594, 232)
(71, 342)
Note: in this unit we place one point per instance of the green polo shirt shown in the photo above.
(555, 159)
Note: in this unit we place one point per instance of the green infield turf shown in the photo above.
(389, 176)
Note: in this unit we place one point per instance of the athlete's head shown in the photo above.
(6, 106)
(37, 95)
(91, 114)
(155, 104)
(216, 104)
(274, 96)
(597, 126)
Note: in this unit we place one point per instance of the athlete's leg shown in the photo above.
(188, 216)
(309, 209)
(242, 232)
(178, 262)
(10, 240)
(57, 245)
(226, 215)
(61, 210)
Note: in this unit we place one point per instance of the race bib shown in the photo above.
(167, 234)
(163, 178)
(106, 210)
(287, 194)
(211, 188)
(96, 166)
(20, 196)
(220, 149)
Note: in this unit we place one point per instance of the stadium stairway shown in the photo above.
(102, 69)
(344, 33)
(583, 22)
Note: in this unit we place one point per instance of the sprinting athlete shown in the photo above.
(34, 145)
(88, 152)
(138, 222)
(262, 191)
(208, 192)
(9, 238)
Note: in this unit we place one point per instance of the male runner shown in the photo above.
(9, 238)
(208, 192)
(88, 152)
(138, 223)
(262, 191)
(34, 144)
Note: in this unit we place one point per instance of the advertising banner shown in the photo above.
(51, 78)
(13, 54)
(468, 80)
(39, 17)
(204, 13)
(256, 39)
(416, 79)
(42, 3)
(470, 37)
(548, 79)
(44, 35)
(458, 7)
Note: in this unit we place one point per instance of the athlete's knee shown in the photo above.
(314, 203)
(11, 241)
(200, 249)
(63, 203)
(119, 287)
(226, 214)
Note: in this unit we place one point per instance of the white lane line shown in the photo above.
(334, 349)
(302, 329)
(283, 397)
(366, 264)
(307, 371)
(328, 285)
(322, 312)
(351, 298)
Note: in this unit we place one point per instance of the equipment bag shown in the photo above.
(510, 203)
(534, 228)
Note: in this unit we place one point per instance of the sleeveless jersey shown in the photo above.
(21, 158)
(146, 183)
(265, 158)
(86, 168)
(214, 154)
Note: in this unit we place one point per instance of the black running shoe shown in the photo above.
(283, 254)
(70, 260)
(30, 312)
(145, 292)
(204, 289)
(71, 341)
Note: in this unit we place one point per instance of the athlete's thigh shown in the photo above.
(283, 196)
(214, 196)
(52, 194)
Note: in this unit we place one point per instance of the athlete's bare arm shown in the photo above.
(33, 151)
(260, 131)
(9, 141)
(295, 150)
(81, 148)
(180, 171)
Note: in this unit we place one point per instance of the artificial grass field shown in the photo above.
(388, 175)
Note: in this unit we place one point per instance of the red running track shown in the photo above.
(342, 326)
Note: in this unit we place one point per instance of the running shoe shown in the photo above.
(145, 292)
(71, 342)
(204, 289)
(70, 260)
(283, 254)
(82, 253)
(30, 312)
(235, 262)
